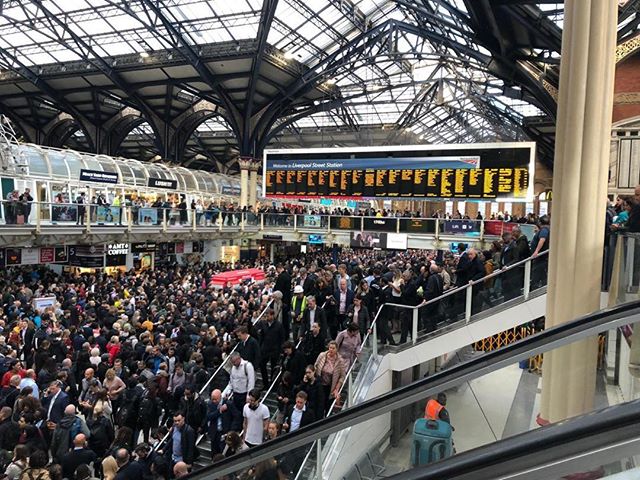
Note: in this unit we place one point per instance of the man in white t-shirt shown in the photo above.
(256, 419)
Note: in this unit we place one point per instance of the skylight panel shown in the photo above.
(17, 39)
(95, 26)
(244, 31)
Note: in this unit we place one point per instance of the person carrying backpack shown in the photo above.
(66, 430)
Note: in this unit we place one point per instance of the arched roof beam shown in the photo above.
(154, 15)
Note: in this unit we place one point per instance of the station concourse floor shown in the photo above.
(497, 405)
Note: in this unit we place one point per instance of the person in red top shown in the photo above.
(15, 369)
(435, 409)
(113, 347)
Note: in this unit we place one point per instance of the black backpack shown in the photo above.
(128, 412)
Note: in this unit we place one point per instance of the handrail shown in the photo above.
(554, 337)
(206, 385)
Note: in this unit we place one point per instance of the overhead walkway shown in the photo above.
(617, 430)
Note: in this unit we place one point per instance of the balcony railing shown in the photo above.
(38, 216)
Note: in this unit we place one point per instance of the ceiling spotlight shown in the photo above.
(144, 54)
(331, 81)
(288, 54)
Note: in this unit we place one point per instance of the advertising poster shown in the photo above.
(64, 213)
(148, 216)
(13, 256)
(30, 256)
(47, 254)
(107, 214)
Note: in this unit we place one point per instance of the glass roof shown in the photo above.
(409, 66)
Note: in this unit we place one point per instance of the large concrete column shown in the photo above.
(253, 182)
(579, 190)
(244, 164)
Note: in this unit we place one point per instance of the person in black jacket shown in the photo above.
(297, 414)
(272, 337)
(409, 297)
(433, 288)
(283, 284)
(315, 393)
(194, 409)
(293, 361)
(248, 348)
(102, 433)
(313, 344)
(187, 448)
(319, 317)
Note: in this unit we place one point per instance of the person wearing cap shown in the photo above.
(298, 306)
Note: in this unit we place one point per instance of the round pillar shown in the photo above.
(253, 182)
(245, 164)
(579, 189)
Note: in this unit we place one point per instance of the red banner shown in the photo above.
(497, 227)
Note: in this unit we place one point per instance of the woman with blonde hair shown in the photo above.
(331, 370)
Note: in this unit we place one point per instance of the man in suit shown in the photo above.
(297, 416)
(344, 298)
(249, 349)
(272, 337)
(434, 287)
(313, 314)
(54, 404)
(283, 284)
(307, 283)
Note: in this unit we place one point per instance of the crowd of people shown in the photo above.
(117, 373)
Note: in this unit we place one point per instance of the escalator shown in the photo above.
(367, 421)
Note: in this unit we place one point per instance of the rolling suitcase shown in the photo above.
(431, 441)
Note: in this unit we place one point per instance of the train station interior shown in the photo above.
(322, 239)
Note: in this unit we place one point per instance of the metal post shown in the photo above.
(527, 278)
(328, 223)
(319, 459)
(469, 300)
(350, 392)
(414, 327)
(243, 220)
(437, 229)
(220, 218)
(397, 224)
(482, 230)
(164, 219)
(295, 222)
(129, 214)
(375, 339)
(193, 220)
(261, 221)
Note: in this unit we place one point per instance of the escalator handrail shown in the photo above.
(540, 447)
(541, 342)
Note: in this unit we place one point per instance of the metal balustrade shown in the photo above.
(45, 217)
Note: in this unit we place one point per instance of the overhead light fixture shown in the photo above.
(288, 54)
(331, 81)
(144, 54)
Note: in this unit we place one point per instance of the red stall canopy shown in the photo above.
(235, 277)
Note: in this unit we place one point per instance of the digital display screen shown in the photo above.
(316, 239)
(500, 171)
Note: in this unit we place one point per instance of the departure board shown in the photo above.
(500, 171)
